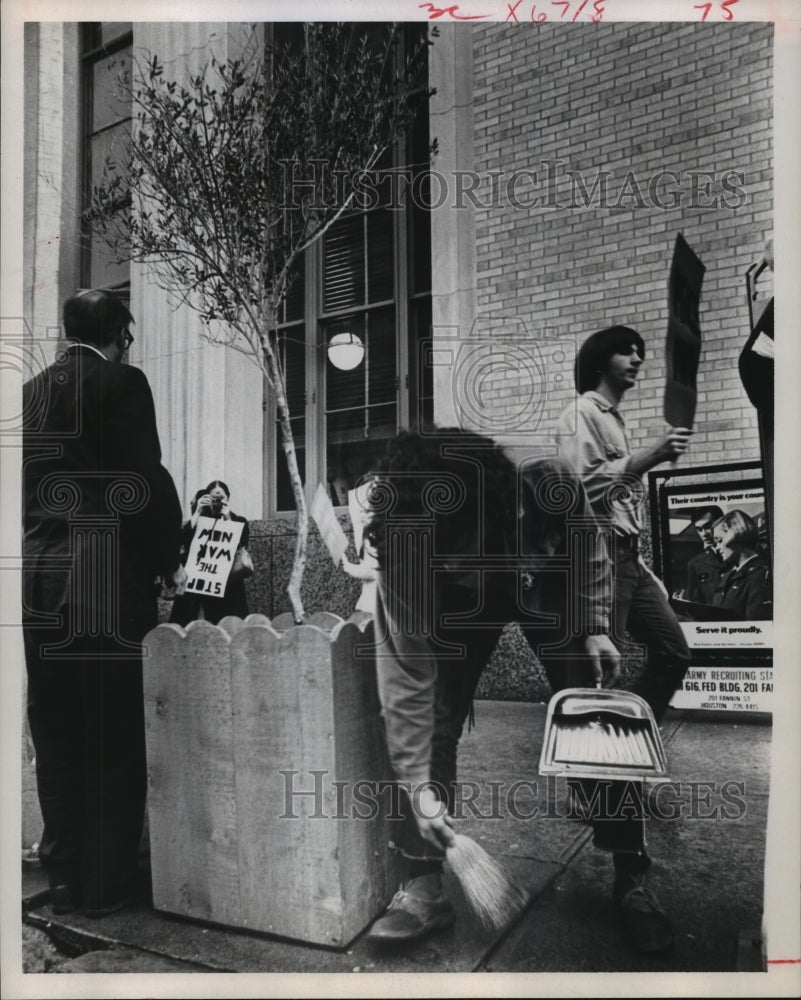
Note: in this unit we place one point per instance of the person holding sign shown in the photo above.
(215, 552)
(366, 569)
(592, 439)
(336, 541)
(591, 436)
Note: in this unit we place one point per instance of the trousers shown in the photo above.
(640, 607)
(86, 716)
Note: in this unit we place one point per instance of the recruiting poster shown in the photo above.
(211, 555)
(727, 689)
(716, 564)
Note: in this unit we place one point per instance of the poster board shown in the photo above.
(360, 508)
(732, 657)
(322, 510)
(683, 343)
(711, 631)
(727, 689)
(211, 555)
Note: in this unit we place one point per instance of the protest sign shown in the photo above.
(683, 344)
(211, 555)
(359, 508)
(322, 510)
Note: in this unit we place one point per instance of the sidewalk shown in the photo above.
(708, 873)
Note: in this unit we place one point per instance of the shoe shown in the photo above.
(95, 912)
(135, 891)
(631, 870)
(644, 923)
(64, 898)
(418, 908)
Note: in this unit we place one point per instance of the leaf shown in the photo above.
(204, 177)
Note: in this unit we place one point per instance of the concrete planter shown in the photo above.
(242, 719)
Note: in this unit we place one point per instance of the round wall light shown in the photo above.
(345, 351)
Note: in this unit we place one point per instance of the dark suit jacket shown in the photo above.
(102, 518)
(756, 371)
(703, 576)
(747, 591)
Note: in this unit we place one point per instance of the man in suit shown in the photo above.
(102, 524)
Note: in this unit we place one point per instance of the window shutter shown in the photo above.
(343, 265)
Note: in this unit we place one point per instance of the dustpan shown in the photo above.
(596, 733)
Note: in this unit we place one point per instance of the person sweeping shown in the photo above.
(465, 544)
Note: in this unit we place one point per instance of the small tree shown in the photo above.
(228, 179)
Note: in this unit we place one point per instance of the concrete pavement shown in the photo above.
(708, 848)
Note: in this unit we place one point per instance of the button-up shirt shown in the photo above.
(591, 436)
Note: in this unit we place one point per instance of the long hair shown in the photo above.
(207, 489)
(594, 354)
(223, 486)
(459, 482)
(743, 527)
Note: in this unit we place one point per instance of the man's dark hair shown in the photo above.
(461, 482)
(699, 512)
(594, 354)
(95, 317)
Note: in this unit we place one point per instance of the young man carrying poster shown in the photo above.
(592, 440)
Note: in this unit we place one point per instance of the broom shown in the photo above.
(488, 890)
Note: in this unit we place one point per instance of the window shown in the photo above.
(105, 128)
(369, 276)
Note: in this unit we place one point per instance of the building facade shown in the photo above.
(567, 159)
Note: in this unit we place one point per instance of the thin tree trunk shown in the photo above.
(302, 517)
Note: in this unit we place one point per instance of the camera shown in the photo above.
(213, 508)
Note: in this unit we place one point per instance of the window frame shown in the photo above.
(315, 356)
(92, 52)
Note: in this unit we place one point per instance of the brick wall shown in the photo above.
(560, 258)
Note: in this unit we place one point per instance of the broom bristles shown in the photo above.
(488, 890)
